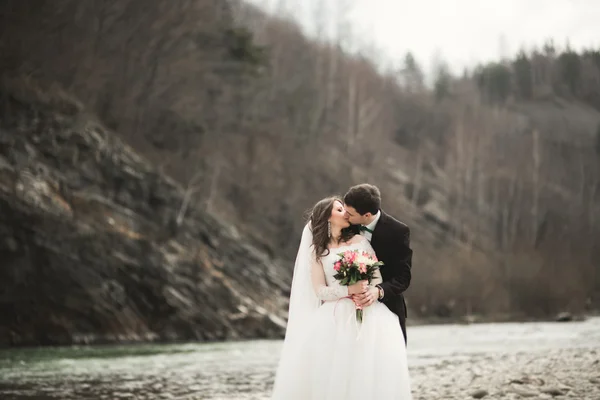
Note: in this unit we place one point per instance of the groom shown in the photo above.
(391, 241)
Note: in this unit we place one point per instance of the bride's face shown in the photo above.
(338, 215)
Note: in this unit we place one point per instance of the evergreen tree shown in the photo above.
(569, 67)
(494, 81)
(443, 81)
(412, 74)
(523, 75)
(593, 56)
(549, 49)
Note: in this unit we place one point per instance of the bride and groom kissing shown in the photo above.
(326, 353)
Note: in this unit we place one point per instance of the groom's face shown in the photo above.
(354, 217)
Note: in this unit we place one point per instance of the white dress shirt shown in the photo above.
(371, 226)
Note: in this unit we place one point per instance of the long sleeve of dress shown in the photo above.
(324, 292)
(377, 279)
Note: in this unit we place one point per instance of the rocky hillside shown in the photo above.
(91, 246)
(496, 171)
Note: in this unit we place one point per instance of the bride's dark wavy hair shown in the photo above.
(319, 218)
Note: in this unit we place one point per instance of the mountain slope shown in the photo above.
(90, 246)
(496, 172)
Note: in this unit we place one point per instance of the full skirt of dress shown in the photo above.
(340, 359)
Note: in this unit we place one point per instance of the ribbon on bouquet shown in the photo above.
(338, 300)
(358, 326)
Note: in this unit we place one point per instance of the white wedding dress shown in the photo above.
(327, 355)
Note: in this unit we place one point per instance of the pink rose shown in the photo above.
(362, 268)
(350, 256)
(337, 266)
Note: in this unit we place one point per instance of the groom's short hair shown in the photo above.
(364, 198)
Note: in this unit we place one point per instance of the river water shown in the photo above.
(245, 370)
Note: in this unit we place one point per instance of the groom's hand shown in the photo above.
(368, 297)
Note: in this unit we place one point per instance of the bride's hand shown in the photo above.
(366, 299)
(358, 288)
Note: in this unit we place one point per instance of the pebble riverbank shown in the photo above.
(569, 373)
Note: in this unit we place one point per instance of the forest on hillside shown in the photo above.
(496, 170)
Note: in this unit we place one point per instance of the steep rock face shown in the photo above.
(90, 247)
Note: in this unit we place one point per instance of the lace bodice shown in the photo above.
(325, 285)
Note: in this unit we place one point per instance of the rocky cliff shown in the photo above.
(91, 249)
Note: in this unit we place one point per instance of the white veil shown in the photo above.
(303, 304)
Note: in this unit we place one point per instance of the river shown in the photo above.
(508, 360)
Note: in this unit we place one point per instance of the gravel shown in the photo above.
(560, 373)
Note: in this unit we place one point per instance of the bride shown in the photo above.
(327, 354)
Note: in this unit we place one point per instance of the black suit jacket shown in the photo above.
(391, 242)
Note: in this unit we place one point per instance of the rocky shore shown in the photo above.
(560, 373)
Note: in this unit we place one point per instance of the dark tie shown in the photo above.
(364, 228)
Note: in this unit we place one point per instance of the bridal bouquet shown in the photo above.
(354, 266)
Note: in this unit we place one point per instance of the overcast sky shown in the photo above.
(463, 32)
